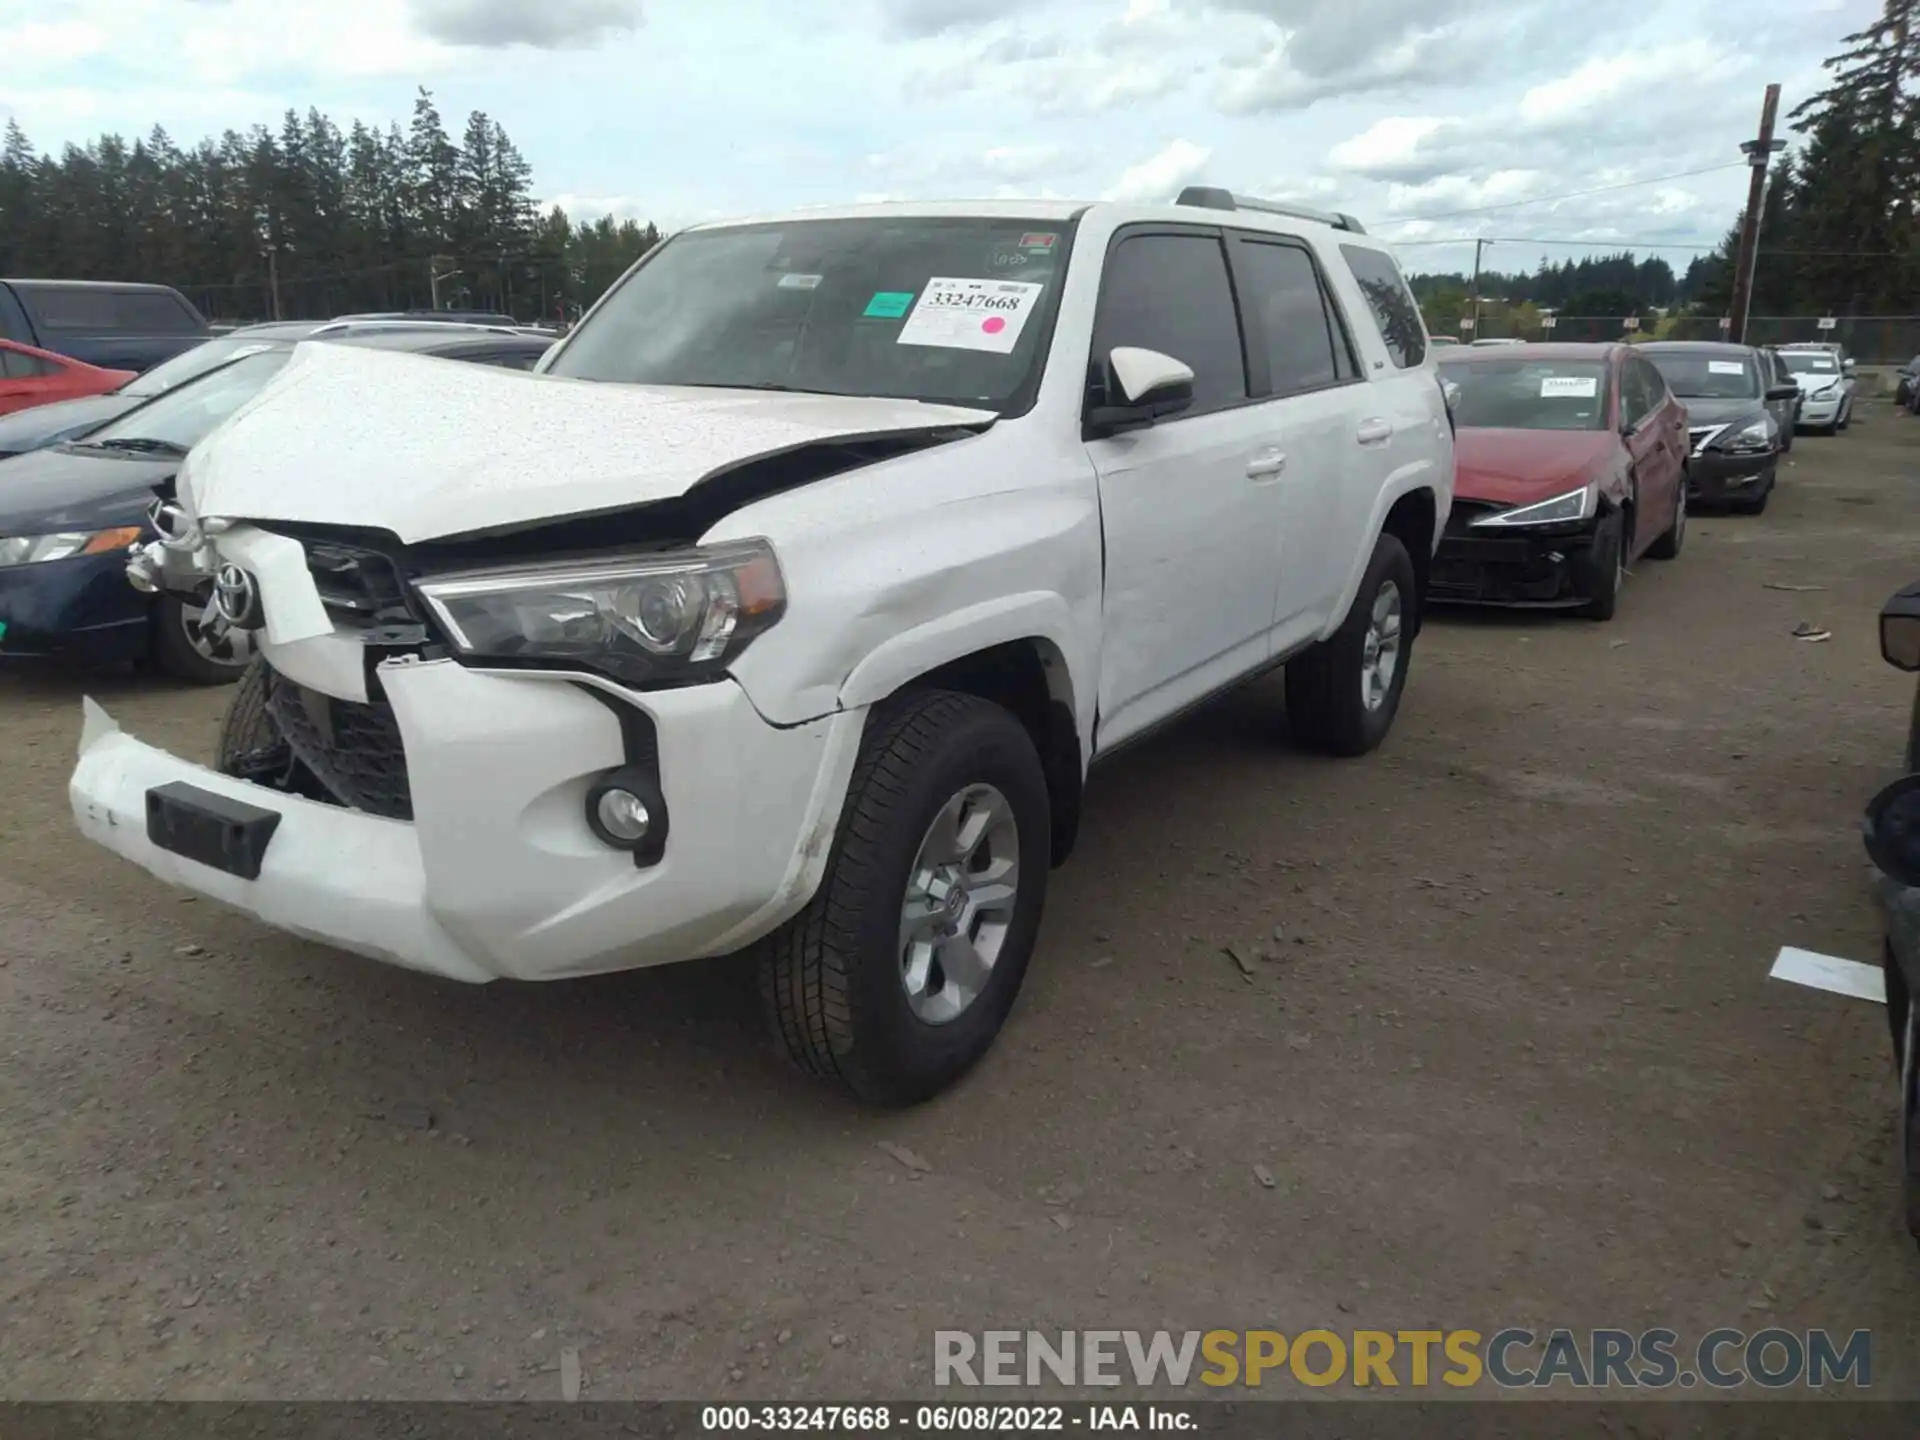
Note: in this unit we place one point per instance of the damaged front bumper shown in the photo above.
(1715, 477)
(1546, 566)
(498, 874)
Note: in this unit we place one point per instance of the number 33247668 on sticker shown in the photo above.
(966, 314)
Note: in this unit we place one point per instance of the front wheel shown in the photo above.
(1343, 693)
(1605, 570)
(899, 973)
(1845, 417)
(1667, 547)
(185, 651)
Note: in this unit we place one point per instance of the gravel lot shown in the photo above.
(1518, 1061)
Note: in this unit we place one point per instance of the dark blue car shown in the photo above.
(69, 512)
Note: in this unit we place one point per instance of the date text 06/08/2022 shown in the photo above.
(932, 1419)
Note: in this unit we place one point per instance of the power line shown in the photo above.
(1569, 195)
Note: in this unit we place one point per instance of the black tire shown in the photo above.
(247, 728)
(1601, 572)
(1845, 417)
(1786, 438)
(1913, 734)
(1668, 546)
(174, 655)
(1326, 707)
(831, 978)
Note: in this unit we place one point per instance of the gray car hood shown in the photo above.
(427, 448)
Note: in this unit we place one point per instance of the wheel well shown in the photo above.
(1411, 521)
(1028, 678)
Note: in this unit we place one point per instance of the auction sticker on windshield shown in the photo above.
(959, 314)
(1573, 387)
(1726, 367)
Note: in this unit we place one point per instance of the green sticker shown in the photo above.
(889, 304)
(3, 629)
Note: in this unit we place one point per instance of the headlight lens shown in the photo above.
(679, 615)
(31, 549)
(1560, 510)
(1758, 435)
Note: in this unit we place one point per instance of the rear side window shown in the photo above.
(1635, 402)
(1393, 305)
(1171, 293)
(118, 312)
(1304, 343)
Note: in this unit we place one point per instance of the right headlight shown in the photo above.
(1560, 510)
(676, 616)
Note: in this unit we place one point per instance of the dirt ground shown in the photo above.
(1520, 1061)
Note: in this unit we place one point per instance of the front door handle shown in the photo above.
(1374, 432)
(1266, 465)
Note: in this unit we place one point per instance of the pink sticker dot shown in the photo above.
(993, 324)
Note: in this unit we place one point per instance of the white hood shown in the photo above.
(425, 447)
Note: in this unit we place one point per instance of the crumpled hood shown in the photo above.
(427, 448)
(1812, 384)
(1518, 467)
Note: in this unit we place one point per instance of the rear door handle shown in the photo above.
(1374, 432)
(1266, 465)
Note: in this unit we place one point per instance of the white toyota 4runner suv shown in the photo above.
(787, 607)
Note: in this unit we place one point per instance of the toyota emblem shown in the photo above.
(234, 597)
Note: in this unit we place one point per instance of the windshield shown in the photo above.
(189, 364)
(954, 310)
(1707, 377)
(1810, 362)
(185, 416)
(1528, 394)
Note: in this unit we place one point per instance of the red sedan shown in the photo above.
(30, 377)
(1570, 464)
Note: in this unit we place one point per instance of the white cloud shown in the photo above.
(1390, 143)
(58, 42)
(1161, 176)
(541, 24)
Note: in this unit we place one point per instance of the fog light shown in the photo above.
(623, 815)
(626, 809)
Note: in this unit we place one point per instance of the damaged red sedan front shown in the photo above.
(1570, 465)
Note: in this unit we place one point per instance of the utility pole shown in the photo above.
(435, 275)
(1473, 291)
(1759, 152)
(273, 278)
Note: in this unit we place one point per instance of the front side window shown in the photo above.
(183, 417)
(1528, 394)
(952, 310)
(1392, 303)
(1170, 293)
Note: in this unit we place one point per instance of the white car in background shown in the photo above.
(1825, 377)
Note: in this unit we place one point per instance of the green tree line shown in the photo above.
(310, 221)
(1606, 285)
(1838, 232)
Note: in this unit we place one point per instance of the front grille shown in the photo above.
(352, 749)
(1699, 436)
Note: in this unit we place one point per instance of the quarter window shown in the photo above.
(1392, 303)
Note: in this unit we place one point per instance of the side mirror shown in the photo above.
(1139, 387)
(1900, 630)
(1892, 830)
(1846, 367)
(1783, 392)
(1451, 390)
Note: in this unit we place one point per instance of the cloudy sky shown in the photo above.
(1430, 119)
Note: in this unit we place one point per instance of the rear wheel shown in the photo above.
(1343, 693)
(186, 652)
(899, 973)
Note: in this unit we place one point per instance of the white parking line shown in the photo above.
(1829, 972)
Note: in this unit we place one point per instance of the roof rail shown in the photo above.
(1212, 197)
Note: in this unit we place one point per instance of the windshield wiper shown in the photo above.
(136, 444)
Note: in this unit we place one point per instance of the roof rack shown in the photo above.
(1211, 197)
